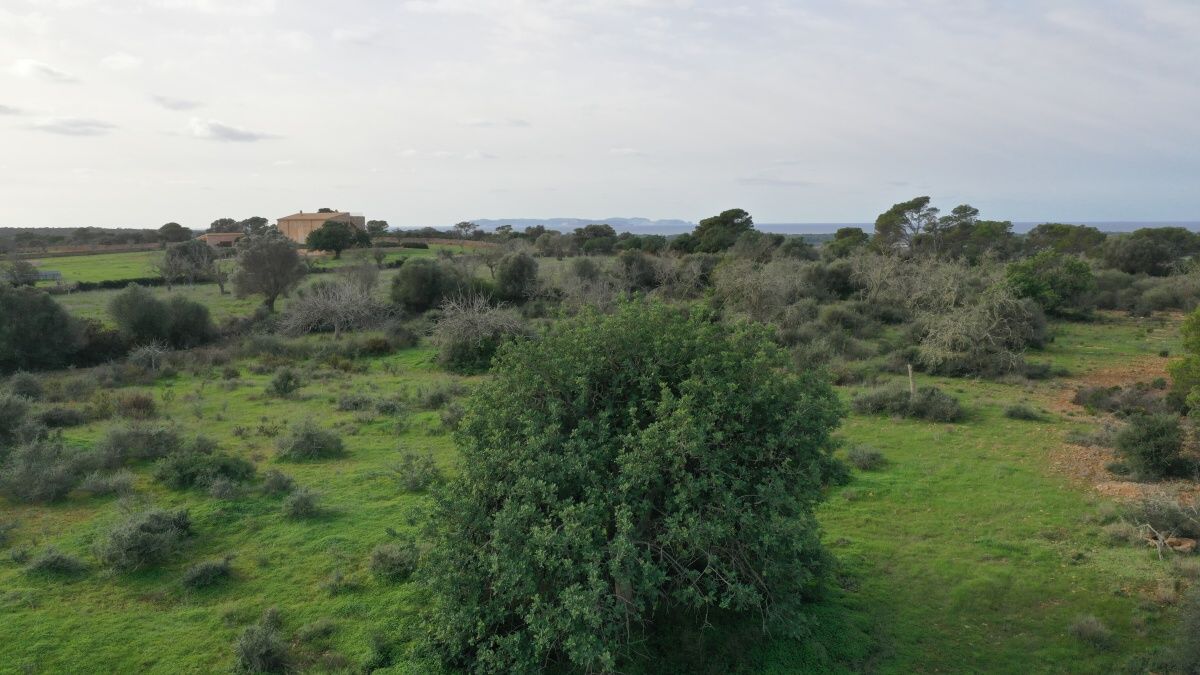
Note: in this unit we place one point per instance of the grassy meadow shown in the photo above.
(967, 551)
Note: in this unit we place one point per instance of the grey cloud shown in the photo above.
(9, 110)
(494, 123)
(73, 126)
(355, 36)
(764, 181)
(213, 130)
(171, 103)
(32, 69)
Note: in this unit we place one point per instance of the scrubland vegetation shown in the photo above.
(936, 447)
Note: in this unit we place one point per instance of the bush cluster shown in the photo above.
(306, 441)
(929, 403)
(199, 464)
(144, 540)
(144, 319)
(1152, 445)
(616, 417)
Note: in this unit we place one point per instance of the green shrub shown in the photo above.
(285, 383)
(930, 403)
(1166, 516)
(189, 323)
(141, 317)
(38, 333)
(60, 417)
(1187, 648)
(307, 441)
(588, 458)
(136, 406)
(437, 395)
(1022, 411)
(1152, 445)
(208, 573)
(123, 445)
(416, 472)
(102, 484)
(40, 471)
(55, 562)
(865, 458)
(261, 648)
(471, 331)
(198, 464)
(516, 276)
(349, 402)
(144, 540)
(301, 503)
(275, 482)
(1092, 632)
(395, 562)
(423, 283)
(1059, 283)
(25, 385)
(400, 335)
(14, 410)
(1137, 399)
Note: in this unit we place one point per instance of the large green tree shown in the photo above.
(720, 232)
(1072, 239)
(35, 331)
(336, 236)
(173, 232)
(267, 265)
(900, 226)
(647, 465)
(1059, 283)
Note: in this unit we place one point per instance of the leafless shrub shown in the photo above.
(335, 306)
(471, 330)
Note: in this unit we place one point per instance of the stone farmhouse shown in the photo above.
(297, 226)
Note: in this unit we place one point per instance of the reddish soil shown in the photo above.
(1086, 465)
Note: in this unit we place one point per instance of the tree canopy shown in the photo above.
(336, 236)
(267, 265)
(719, 232)
(623, 469)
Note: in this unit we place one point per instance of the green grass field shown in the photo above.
(94, 304)
(966, 553)
(139, 264)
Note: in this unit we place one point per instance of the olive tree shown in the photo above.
(267, 265)
(622, 471)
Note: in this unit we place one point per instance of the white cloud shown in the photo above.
(171, 103)
(9, 110)
(770, 181)
(626, 152)
(32, 69)
(73, 126)
(120, 61)
(213, 130)
(486, 123)
(226, 7)
(355, 36)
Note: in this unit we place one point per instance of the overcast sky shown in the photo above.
(139, 112)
